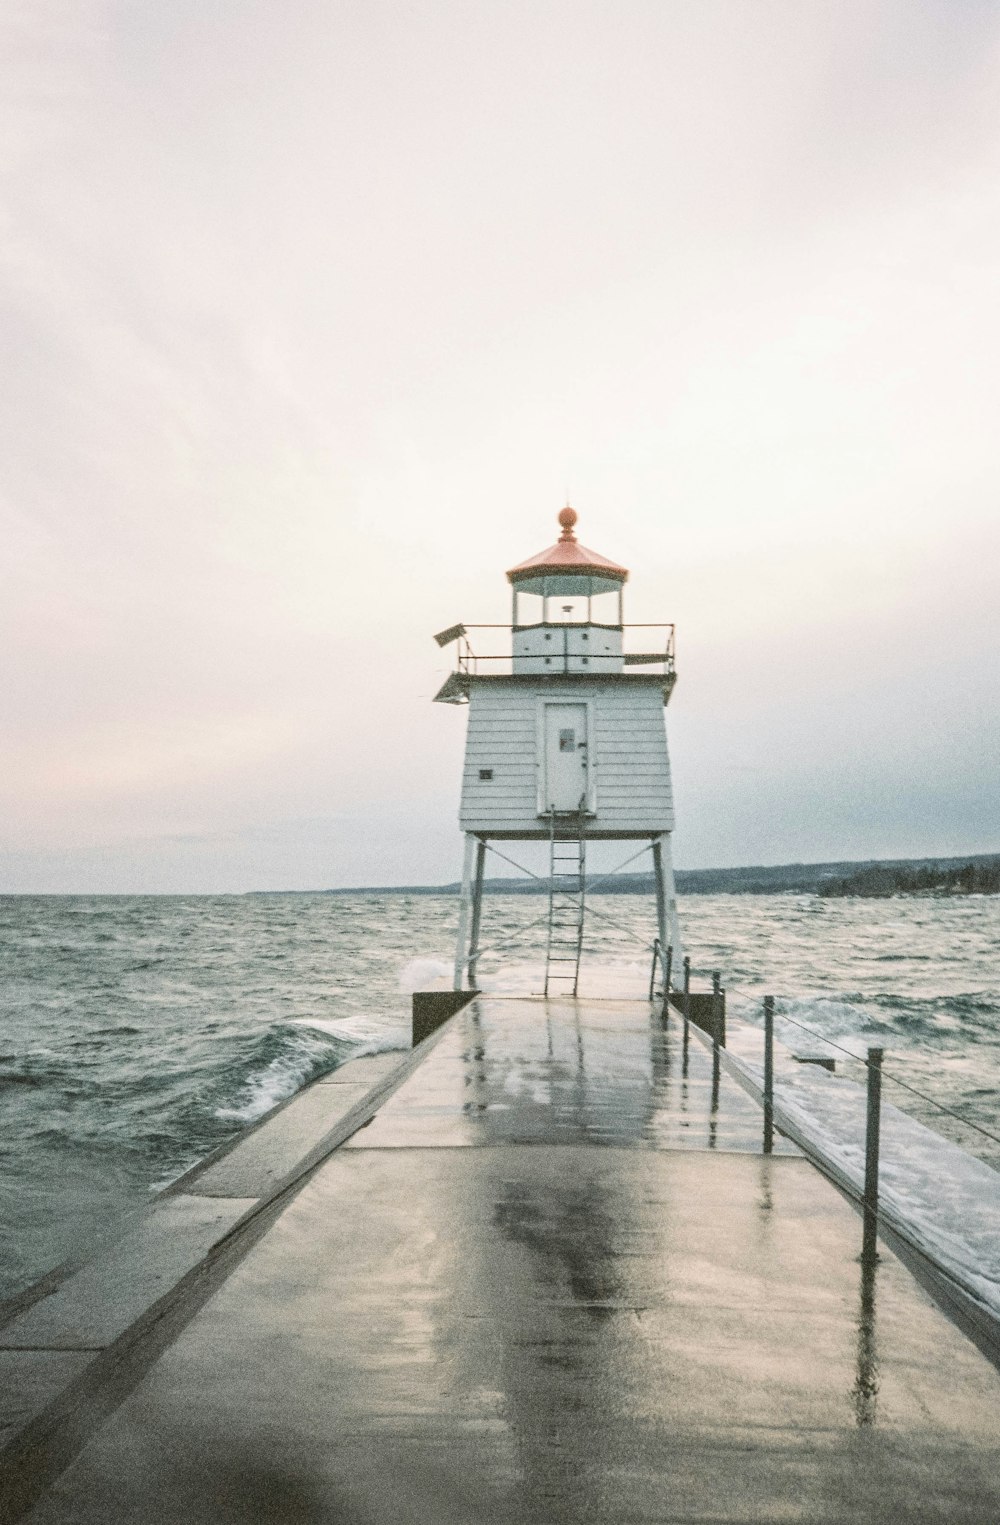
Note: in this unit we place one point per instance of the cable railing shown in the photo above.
(898, 1080)
(777, 1119)
(755, 997)
(499, 650)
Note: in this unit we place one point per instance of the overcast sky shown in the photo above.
(312, 312)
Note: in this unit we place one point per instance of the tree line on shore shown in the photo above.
(881, 879)
(978, 874)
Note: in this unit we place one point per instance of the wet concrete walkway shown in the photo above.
(554, 1279)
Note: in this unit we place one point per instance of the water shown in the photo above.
(140, 1033)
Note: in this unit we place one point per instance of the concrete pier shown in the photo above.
(548, 1276)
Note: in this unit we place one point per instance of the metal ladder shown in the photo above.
(567, 897)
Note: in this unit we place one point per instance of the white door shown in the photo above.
(565, 734)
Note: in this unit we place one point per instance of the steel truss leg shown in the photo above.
(461, 942)
(477, 910)
(666, 898)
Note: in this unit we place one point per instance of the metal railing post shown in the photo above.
(685, 1005)
(873, 1120)
(716, 1007)
(667, 973)
(768, 1074)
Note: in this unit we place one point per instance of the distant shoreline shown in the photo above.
(871, 877)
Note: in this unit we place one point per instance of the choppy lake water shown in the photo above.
(140, 1033)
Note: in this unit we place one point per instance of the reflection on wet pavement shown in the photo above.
(867, 1383)
(563, 1071)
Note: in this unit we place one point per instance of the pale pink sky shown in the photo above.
(311, 312)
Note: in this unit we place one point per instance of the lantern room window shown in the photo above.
(567, 599)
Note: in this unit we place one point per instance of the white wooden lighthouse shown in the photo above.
(566, 740)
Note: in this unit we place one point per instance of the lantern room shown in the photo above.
(568, 613)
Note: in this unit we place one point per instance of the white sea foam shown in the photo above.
(609, 981)
(513, 979)
(827, 1014)
(422, 973)
(370, 1035)
(527, 978)
(810, 1023)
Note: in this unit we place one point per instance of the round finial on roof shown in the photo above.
(567, 518)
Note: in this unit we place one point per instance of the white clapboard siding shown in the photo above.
(628, 753)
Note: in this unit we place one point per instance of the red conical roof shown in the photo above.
(567, 555)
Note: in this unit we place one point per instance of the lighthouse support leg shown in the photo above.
(477, 911)
(666, 899)
(461, 945)
(661, 895)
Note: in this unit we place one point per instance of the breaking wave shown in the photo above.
(305, 1049)
(300, 1056)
